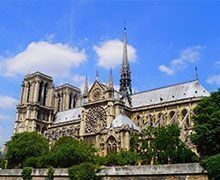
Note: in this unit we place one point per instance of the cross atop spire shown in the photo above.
(125, 80)
(97, 75)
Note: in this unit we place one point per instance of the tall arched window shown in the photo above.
(111, 144)
(45, 94)
(70, 100)
(40, 90)
(172, 117)
(74, 100)
(186, 117)
(28, 91)
(59, 102)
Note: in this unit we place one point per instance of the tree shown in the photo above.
(212, 165)
(121, 158)
(84, 171)
(162, 145)
(23, 146)
(207, 126)
(67, 152)
(168, 147)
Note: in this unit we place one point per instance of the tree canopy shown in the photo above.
(207, 125)
(162, 145)
(23, 146)
(67, 152)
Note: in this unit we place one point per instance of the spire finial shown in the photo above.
(125, 80)
(97, 75)
(86, 88)
(197, 76)
(110, 81)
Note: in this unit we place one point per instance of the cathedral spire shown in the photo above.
(125, 80)
(86, 88)
(97, 75)
(110, 81)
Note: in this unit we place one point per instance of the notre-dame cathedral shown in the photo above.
(100, 114)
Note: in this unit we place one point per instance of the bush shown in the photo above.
(121, 158)
(23, 146)
(67, 152)
(2, 163)
(31, 162)
(212, 165)
(50, 173)
(26, 173)
(84, 171)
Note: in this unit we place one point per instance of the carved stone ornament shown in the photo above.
(96, 93)
(95, 119)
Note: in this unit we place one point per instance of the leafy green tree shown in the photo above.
(23, 146)
(207, 125)
(168, 147)
(67, 152)
(162, 145)
(212, 165)
(121, 158)
(84, 171)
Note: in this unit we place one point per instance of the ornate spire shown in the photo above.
(110, 81)
(97, 75)
(197, 76)
(86, 88)
(125, 80)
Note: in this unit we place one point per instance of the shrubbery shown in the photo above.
(84, 171)
(50, 173)
(162, 145)
(23, 146)
(26, 173)
(212, 165)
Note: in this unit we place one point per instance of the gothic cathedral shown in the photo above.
(100, 114)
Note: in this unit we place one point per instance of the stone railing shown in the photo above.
(189, 171)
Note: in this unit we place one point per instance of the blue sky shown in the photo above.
(71, 39)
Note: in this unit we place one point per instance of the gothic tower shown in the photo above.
(35, 110)
(125, 79)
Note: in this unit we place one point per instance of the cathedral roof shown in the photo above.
(121, 120)
(190, 89)
(69, 115)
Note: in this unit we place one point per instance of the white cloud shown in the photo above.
(53, 59)
(110, 53)
(7, 102)
(186, 57)
(214, 79)
(165, 69)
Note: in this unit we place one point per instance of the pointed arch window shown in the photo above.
(111, 145)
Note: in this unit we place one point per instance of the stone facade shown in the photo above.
(100, 114)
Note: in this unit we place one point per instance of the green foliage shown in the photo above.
(121, 158)
(31, 162)
(50, 173)
(207, 126)
(84, 171)
(212, 165)
(67, 152)
(2, 163)
(23, 146)
(168, 147)
(26, 173)
(162, 145)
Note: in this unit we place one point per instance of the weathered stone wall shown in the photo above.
(192, 171)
